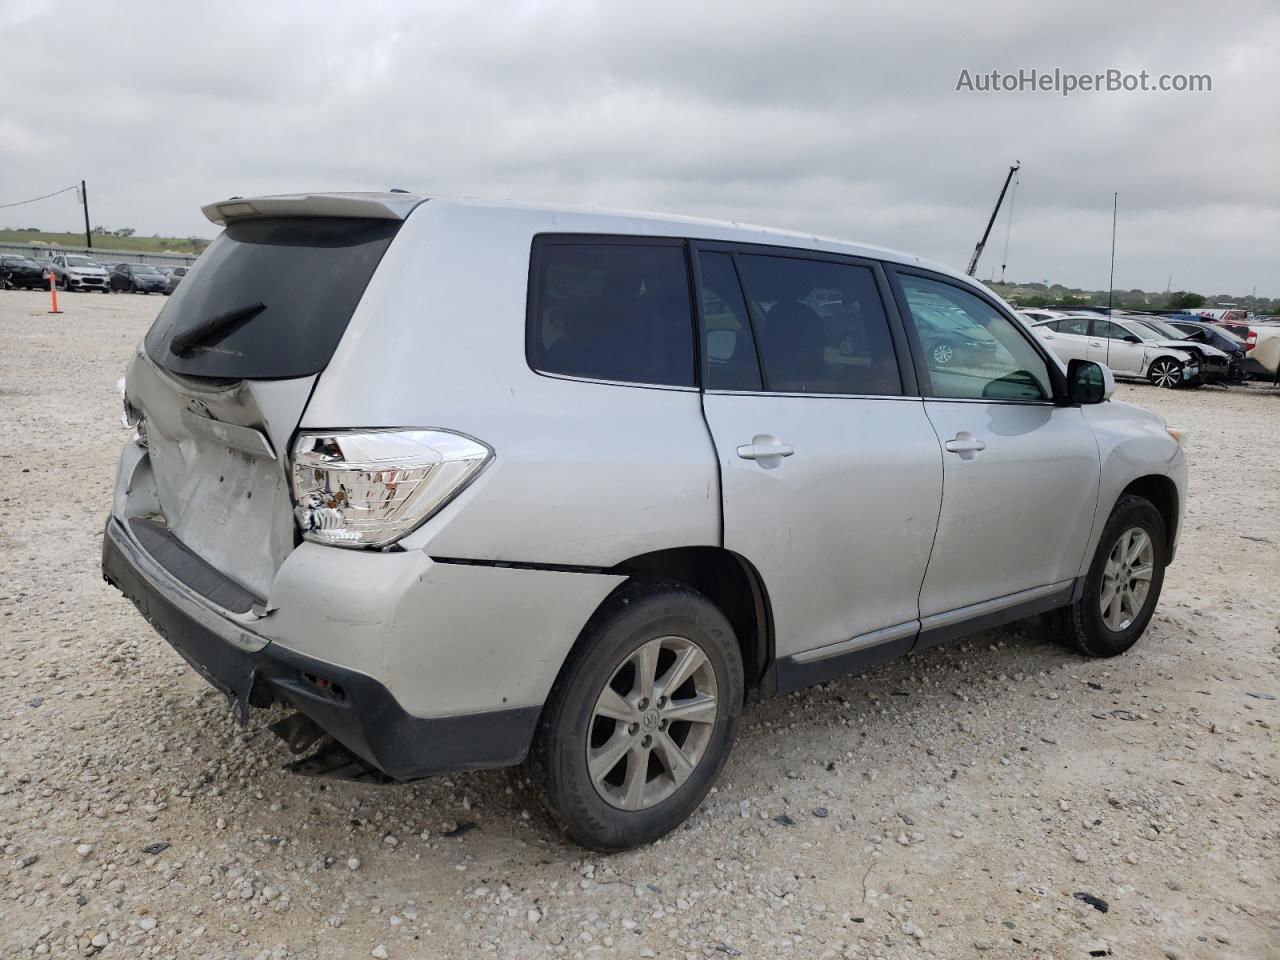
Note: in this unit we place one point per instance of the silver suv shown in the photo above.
(468, 484)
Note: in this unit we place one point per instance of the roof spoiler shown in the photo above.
(376, 206)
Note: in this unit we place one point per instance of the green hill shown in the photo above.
(189, 245)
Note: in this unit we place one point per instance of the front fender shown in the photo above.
(1133, 443)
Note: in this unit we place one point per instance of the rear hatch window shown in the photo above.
(269, 298)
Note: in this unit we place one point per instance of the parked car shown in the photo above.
(1036, 314)
(1222, 315)
(138, 278)
(1236, 328)
(76, 272)
(21, 272)
(1126, 349)
(1262, 359)
(1215, 336)
(1215, 363)
(949, 337)
(491, 486)
(175, 275)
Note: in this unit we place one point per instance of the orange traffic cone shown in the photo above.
(53, 292)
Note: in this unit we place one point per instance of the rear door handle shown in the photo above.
(766, 450)
(965, 444)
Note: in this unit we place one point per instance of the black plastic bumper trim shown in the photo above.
(367, 720)
(166, 549)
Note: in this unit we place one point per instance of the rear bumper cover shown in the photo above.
(353, 708)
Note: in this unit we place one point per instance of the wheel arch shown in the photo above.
(1162, 492)
(733, 584)
(1180, 361)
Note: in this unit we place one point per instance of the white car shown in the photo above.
(1129, 349)
(74, 272)
(502, 483)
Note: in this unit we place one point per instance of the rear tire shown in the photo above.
(615, 697)
(1122, 586)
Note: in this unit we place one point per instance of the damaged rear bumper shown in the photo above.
(354, 709)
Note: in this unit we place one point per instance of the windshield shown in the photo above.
(303, 277)
(144, 268)
(1142, 331)
(1170, 332)
(80, 262)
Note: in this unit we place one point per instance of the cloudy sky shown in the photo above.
(833, 117)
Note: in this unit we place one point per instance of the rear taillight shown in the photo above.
(369, 488)
(131, 417)
(1251, 341)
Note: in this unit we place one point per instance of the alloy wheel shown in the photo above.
(1126, 579)
(943, 354)
(652, 723)
(1165, 373)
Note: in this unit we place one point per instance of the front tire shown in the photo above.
(1165, 372)
(1122, 586)
(641, 720)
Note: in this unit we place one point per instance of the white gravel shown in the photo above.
(947, 805)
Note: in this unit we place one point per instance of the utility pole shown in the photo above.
(84, 198)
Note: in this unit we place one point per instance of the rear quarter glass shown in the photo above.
(308, 272)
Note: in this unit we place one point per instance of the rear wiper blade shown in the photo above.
(207, 328)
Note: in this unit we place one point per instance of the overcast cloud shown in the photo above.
(837, 118)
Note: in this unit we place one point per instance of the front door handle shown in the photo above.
(766, 450)
(965, 444)
(1095, 343)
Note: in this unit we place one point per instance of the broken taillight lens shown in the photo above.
(131, 417)
(369, 488)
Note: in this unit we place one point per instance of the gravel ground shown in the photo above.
(970, 801)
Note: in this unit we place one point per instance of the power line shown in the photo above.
(18, 203)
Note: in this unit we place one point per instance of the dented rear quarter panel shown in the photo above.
(445, 639)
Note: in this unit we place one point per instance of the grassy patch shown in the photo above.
(190, 245)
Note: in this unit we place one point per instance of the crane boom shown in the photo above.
(977, 251)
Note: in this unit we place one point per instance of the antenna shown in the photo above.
(1111, 285)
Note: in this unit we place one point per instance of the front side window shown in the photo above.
(612, 311)
(1111, 331)
(971, 350)
(820, 327)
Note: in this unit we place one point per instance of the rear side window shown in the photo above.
(820, 327)
(611, 311)
(285, 289)
(1076, 326)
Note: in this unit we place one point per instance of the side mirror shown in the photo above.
(1089, 382)
(1130, 338)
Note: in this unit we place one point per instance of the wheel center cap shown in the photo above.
(650, 720)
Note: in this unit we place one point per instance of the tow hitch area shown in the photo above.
(331, 759)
